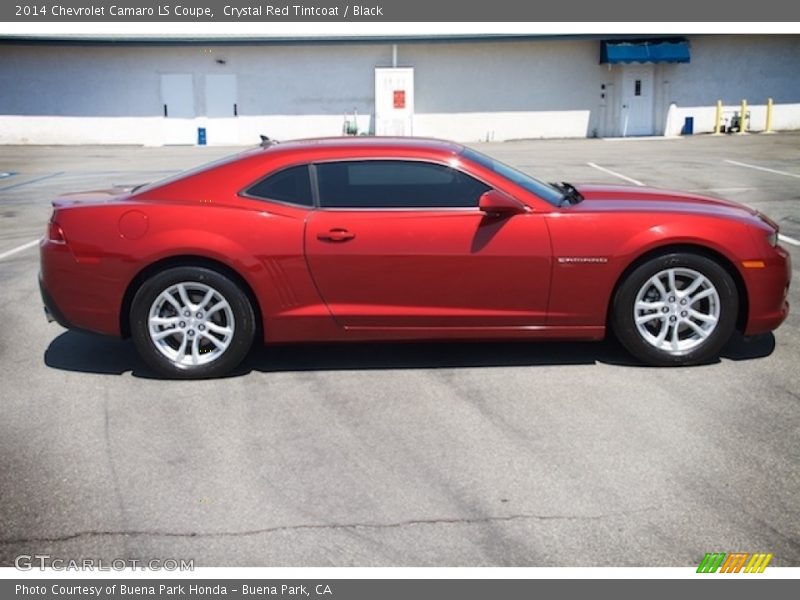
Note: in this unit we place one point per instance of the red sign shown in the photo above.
(399, 98)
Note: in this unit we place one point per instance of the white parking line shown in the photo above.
(615, 174)
(722, 190)
(757, 168)
(30, 181)
(788, 240)
(18, 249)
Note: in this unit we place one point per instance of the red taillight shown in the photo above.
(55, 234)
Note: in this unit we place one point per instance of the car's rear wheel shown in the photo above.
(192, 322)
(676, 309)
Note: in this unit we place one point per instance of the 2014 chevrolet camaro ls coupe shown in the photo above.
(395, 239)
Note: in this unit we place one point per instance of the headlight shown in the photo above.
(772, 236)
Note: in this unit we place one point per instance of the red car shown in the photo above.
(397, 239)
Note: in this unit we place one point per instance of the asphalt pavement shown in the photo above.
(497, 454)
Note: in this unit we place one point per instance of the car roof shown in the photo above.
(312, 148)
(367, 142)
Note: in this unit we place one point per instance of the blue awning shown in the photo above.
(657, 50)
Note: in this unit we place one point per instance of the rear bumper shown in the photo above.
(51, 310)
(80, 294)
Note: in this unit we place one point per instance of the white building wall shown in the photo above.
(466, 91)
(506, 90)
(109, 94)
(732, 68)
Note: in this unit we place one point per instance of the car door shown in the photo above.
(397, 243)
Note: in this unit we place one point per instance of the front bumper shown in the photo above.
(768, 293)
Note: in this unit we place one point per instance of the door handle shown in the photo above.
(336, 235)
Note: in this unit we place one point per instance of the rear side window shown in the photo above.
(290, 185)
(395, 184)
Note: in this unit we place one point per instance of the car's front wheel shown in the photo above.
(192, 322)
(676, 309)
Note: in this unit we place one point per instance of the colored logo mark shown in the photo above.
(735, 562)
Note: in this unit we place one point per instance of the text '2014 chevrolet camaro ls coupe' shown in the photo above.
(348, 239)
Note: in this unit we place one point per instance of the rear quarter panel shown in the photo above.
(261, 242)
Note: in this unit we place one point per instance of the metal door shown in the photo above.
(177, 104)
(222, 108)
(637, 100)
(394, 101)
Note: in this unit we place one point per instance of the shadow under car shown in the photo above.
(89, 353)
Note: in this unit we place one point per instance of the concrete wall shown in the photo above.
(464, 91)
(85, 94)
(732, 68)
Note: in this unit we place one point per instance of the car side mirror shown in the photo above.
(498, 204)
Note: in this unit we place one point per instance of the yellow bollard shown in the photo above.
(768, 128)
(743, 117)
(718, 118)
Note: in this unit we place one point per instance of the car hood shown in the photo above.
(622, 198)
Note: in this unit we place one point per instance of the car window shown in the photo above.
(290, 185)
(395, 184)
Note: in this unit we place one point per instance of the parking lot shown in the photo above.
(498, 454)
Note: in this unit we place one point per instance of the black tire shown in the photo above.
(235, 319)
(641, 340)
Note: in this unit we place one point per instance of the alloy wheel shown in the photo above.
(676, 310)
(191, 323)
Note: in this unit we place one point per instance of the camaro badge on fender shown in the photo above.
(582, 259)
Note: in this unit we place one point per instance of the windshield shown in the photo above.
(543, 190)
